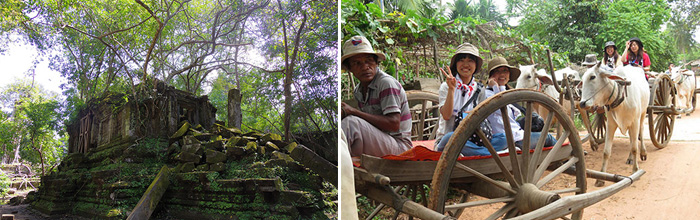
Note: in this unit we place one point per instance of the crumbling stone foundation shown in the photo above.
(218, 172)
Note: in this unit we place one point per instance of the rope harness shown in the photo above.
(620, 94)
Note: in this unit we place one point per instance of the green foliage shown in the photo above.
(153, 146)
(567, 25)
(481, 9)
(299, 40)
(5, 183)
(34, 123)
(583, 27)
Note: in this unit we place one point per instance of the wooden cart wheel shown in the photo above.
(424, 113)
(660, 111)
(526, 187)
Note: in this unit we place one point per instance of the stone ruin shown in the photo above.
(119, 144)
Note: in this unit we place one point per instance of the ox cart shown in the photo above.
(661, 110)
(520, 182)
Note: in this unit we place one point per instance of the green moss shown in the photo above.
(183, 129)
(114, 213)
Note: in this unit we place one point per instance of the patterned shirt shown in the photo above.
(385, 95)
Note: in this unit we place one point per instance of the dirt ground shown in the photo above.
(666, 191)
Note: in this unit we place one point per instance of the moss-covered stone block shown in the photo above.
(281, 156)
(203, 167)
(191, 148)
(214, 156)
(235, 151)
(202, 136)
(189, 139)
(251, 146)
(198, 127)
(174, 148)
(270, 137)
(271, 147)
(187, 167)
(71, 161)
(298, 198)
(290, 147)
(188, 157)
(229, 132)
(253, 134)
(180, 132)
(217, 167)
(250, 138)
(233, 141)
(150, 199)
(215, 145)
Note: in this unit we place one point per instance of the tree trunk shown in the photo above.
(41, 155)
(17, 142)
(235, 117)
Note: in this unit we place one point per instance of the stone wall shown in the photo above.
(118, 116)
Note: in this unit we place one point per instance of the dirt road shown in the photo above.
(667, 190)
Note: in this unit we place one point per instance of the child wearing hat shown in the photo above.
(611, 57)
(382, 124)
(634, 55)
(460, 92)
(500, 73)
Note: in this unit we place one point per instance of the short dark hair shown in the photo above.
(347, 65)
(459, 57)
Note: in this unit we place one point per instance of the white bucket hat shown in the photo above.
(359, 45)
(467, 48)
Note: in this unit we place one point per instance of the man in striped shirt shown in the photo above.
(382, 124)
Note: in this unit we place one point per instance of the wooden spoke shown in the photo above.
(479, 203)
(456, 213)
(540, 145)
(502, 211)
(526, 141)
(497, 159)
(512, 213)
(550, 156)
(513, 154)
(484, 177)
(556, 172)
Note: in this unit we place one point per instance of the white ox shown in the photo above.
(685, 84)
(601, 89)
(540, 81)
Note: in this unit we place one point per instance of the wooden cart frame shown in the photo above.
(518, 180)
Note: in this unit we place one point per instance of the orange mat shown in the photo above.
(423, 151)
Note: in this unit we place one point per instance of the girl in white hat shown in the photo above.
(460, 92)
